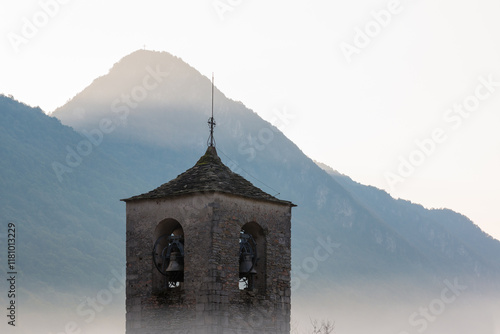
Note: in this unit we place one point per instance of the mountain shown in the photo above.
(152, 96)
(70, 232)
(143, 123)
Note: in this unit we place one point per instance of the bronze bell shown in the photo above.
(174, 264)
(246, 265)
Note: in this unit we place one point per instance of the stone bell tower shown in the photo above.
(208, 252)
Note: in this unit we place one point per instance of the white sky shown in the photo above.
(360, 117)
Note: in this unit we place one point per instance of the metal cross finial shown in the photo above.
(211, 120)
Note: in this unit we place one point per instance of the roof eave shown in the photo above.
(140, 198)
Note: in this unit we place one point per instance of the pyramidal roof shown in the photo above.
(209, 174)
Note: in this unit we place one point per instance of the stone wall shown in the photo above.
(209, 300)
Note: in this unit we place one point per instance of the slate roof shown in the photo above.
(209, 174)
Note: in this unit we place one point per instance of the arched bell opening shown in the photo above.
(252, 258)
(168, 255)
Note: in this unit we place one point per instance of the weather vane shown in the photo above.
(211, 120)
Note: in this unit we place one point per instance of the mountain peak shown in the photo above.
(139, 97)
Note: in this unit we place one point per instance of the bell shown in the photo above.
(246, 265)
(174, 265)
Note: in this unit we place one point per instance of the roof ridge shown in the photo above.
(209, 174)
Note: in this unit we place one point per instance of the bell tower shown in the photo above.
(208, 252)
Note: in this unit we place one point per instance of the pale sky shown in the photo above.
(402, 95)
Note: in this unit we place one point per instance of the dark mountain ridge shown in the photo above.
(144, 123)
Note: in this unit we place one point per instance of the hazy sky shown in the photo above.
(402, 95)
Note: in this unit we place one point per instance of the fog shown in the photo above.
(430, 314)
(436, 313)
(58, 320)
